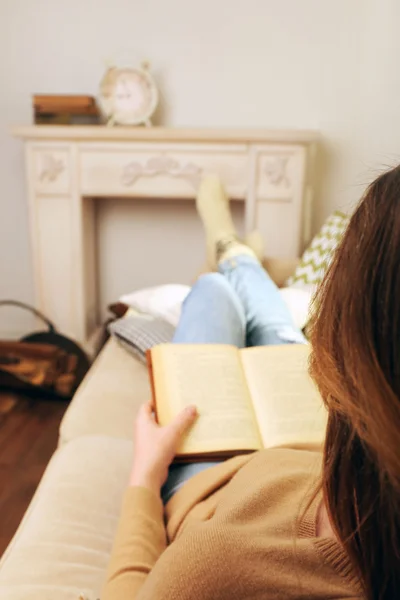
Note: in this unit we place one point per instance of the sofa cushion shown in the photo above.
(108, 398)
(62, 547)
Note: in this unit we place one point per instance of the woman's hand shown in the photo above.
(155, 446)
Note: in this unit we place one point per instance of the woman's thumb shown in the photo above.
(184, 420)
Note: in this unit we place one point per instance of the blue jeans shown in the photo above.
(241, 306)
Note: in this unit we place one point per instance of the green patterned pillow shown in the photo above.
(318, 255)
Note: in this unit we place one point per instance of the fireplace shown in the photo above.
(77, 176)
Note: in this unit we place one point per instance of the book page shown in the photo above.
(287, 404)
(211, 377)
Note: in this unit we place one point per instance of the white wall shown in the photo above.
(262, 63)
(380, 102)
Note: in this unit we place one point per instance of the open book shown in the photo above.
(247, 399)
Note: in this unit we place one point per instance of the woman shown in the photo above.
(281, 523)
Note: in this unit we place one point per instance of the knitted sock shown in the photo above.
(213, 208)
(229, 247)
(255, 241)
(221, 236)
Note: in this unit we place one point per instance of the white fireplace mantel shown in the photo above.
(69, 167)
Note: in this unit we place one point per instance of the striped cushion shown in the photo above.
(319, 254)
(140, 333)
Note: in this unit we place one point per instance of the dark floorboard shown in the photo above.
(28, 438)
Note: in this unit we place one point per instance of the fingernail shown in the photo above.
(191, 410)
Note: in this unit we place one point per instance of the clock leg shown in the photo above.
(148, 123)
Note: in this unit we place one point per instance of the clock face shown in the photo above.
(129, 96)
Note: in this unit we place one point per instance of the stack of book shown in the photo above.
(65, 110)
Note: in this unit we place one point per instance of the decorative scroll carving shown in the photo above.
(276, 171)
(52, 167)
(160, 165)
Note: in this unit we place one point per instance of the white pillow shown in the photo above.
(298, 301)
(165, 301)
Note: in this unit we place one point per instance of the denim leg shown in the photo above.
(212, 314)
(267, 317)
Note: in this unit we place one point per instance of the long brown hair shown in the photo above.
(355, 362)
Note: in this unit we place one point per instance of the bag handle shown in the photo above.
(34, 311)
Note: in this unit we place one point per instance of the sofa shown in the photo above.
(62, 546)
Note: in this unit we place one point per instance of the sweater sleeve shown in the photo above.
(142, 567)
(191, 567)
(139, 542)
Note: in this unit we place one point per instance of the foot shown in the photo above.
(213, 208)
(230, 246)
(221, 235)
(254, 241)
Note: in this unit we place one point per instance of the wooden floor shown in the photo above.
(28, 438)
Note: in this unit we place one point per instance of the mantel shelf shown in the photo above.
(98, 133)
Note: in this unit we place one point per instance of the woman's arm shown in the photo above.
(139, 542)
(141, 535)
(143, 568)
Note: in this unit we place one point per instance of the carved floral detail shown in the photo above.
(159, 165)
(276, 171)
(52, 167)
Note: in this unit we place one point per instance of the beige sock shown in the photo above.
(213, 208)
(221, 235)
(229, 248)
(255, 241)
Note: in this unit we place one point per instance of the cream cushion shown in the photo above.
(109, 397)
(63, 544)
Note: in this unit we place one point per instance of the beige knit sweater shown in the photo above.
(235, 531)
